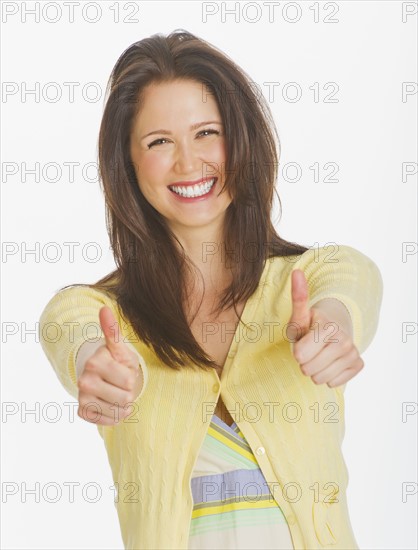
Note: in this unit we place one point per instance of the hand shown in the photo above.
(111, 377)
(323, 348)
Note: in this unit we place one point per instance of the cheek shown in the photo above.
(222, 150)
(152, 168)
(216, 152)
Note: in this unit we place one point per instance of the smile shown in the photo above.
(193, 191)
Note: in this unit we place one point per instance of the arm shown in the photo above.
(350, 278)
(69, 326)
(335, 292)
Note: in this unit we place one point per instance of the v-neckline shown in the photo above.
(250, 306)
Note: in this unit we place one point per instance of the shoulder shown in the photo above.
(77, 299)
(326, 257)
(324, 266)
(81, 292)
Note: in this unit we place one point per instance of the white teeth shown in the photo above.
(193, 190)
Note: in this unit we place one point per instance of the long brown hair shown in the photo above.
(148, 283)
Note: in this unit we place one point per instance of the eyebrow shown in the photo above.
(192, 127)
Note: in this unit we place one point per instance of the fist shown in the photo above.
(111, 379)
(322, 344)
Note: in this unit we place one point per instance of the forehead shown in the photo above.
(178, 100)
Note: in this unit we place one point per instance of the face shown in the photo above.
(178, 149)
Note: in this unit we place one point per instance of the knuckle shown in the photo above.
(122, 401)
(124, 412)
(87, 383)
(81, 413)
(91, 364)
(121, 356)
(354, 351)
(297, 353)
(128, 359)
(134, 379)
(346, 344)
(102, 351)
(355, 355)
(133, 358)
(129, 398)
(118, 414)
(83, 384)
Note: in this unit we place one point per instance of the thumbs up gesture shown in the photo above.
(321, 337)
(111, 378)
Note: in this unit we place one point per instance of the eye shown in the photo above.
(204, 133)
(156, 142)
(209, 131)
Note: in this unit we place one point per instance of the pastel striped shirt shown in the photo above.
(233, 507)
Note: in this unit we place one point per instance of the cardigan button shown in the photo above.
(215, 388)
(260, 451)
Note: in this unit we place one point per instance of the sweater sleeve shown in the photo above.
(344, 273)
(70, 318)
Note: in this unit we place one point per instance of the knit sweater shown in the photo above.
(294, 426)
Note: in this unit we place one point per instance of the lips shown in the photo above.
(194, 191)
(188, 183)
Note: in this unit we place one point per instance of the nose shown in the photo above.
(186, 160)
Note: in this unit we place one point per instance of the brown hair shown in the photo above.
(148, 281)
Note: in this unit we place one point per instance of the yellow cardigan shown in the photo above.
(294, 426)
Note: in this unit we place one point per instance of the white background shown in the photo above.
(369, 132)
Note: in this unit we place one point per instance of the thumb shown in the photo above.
(300, 320)
(112, 334)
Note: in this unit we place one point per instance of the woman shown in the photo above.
(228, 433)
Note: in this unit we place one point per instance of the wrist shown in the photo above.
(337, 313)
(85, 351)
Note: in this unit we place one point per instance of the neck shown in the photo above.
(204, 246)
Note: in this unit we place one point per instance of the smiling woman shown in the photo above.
(161, 90)
(209, 344)
(182, 174)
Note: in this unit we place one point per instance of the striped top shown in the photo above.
(232, 504)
